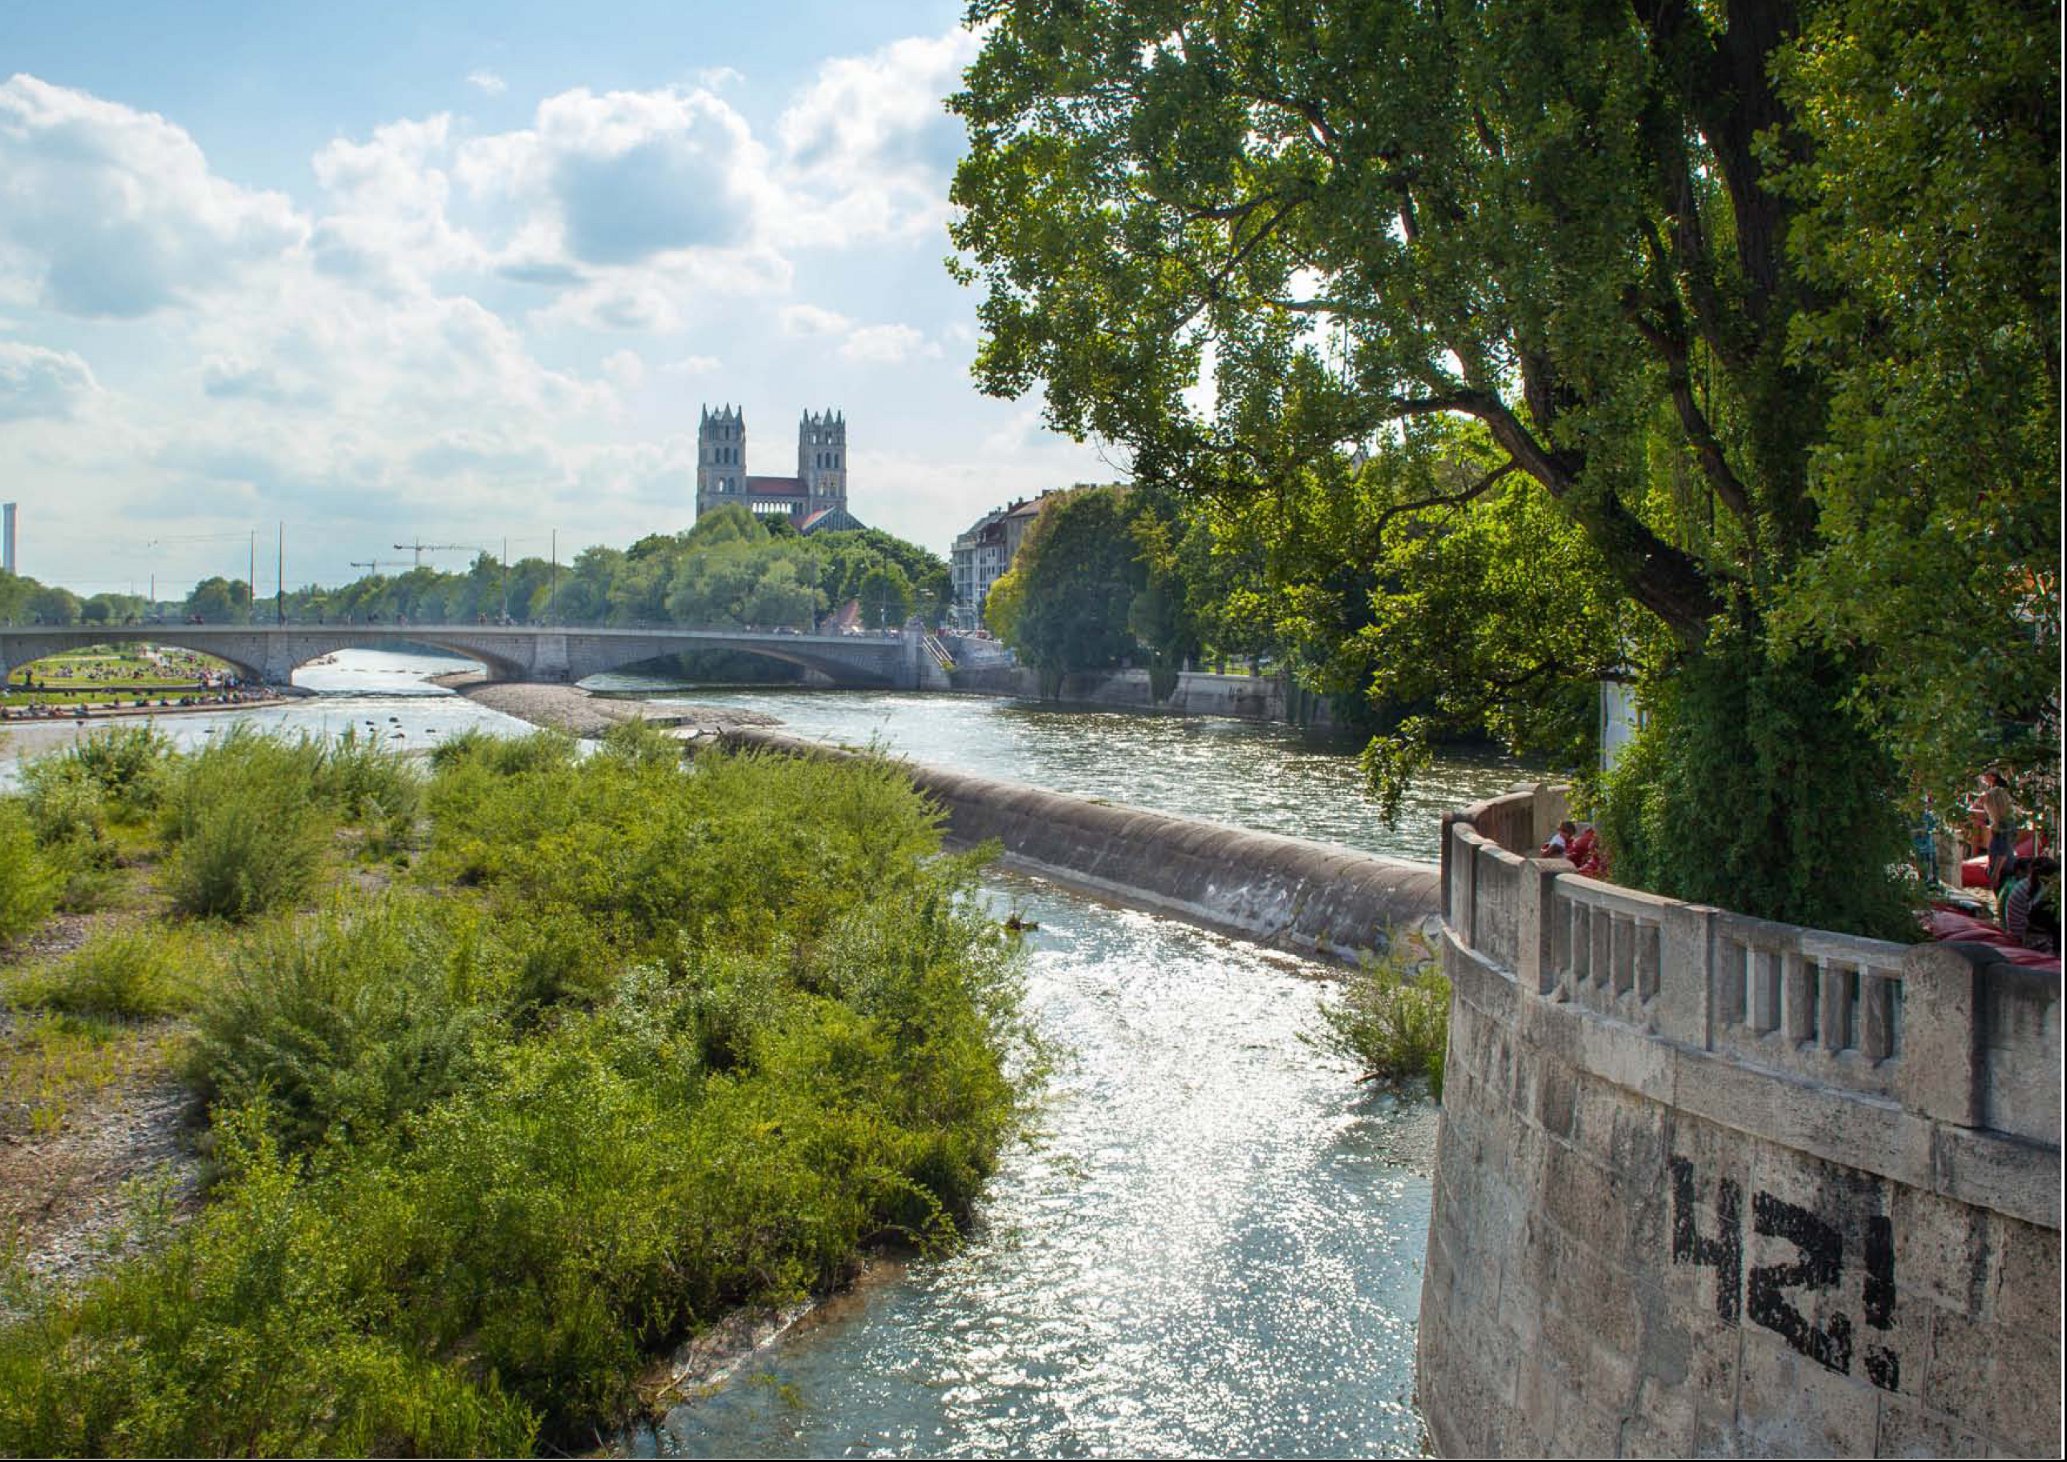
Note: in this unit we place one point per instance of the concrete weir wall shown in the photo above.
(1286, 891)
(1714, 1186)
(1189, 693)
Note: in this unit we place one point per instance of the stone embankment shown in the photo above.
(1311, 897)
(1713, 1186)
(570, 709)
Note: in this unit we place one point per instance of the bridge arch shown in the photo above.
(604, 656)
(271, 653)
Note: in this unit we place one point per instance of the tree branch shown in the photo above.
(1446, 500)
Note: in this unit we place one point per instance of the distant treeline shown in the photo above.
(731, 568)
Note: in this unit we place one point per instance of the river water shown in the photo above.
(1211, 1243)
(1273, 778)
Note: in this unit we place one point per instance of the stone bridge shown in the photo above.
(270, 653)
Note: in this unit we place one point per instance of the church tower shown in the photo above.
(822, 460)
(720, 458)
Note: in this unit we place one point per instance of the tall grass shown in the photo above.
(248, 818)
(130, 973)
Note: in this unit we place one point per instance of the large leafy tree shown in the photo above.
(1573, 228)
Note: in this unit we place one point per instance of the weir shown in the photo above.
(1307, 896)
(1710, 1185)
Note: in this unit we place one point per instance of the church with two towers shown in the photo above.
(814, 501)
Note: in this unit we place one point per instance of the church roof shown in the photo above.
(831, 520)
(775, 487)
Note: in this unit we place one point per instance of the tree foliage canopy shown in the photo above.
(1680, 320)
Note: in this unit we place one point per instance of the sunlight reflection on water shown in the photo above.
(1213, 1246)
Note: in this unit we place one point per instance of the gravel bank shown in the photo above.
(573, 710)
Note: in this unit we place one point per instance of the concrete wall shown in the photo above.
(1285, 891)
(1713, 1186)
(1194, 693)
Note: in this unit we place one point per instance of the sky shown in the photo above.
(368, 274)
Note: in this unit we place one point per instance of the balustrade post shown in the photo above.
(1464, 870)
(1535, 962)
(1940, 1072)
(1686, 975)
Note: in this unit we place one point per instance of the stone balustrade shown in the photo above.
(1712, 1184)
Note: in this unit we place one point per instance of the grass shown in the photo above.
(54, 1062)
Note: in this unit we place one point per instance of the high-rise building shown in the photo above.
(7, 537)
(814, 500)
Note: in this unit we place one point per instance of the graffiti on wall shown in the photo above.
(1767, 1293)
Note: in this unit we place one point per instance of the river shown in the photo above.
(1212, 1242)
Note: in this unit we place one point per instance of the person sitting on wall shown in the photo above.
(1561, 840)
(1585, 854)
(2023, 890)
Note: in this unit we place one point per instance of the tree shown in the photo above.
(220, 601)
(1929, 223)
(886, 597)
(1569, 227)
(1077, 576)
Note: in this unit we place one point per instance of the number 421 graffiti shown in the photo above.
(1763, 1295)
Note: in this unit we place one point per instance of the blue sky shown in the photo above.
(467, 272)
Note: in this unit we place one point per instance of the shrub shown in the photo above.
(29, 886)
(68, 810)
(366, 784)
(131, 973)
(1392, 1021)
(349, 1021)
(694, 1041)
(1750, 789)
(640, 741)
(247, 831)
(128, 763)
(255, 1331)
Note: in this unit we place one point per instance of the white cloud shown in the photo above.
(628, 176)
(624, 369)
(487, 81)
(430, 335)
(38, 382)
(110, 212)
(387, 225)
(812, 320)
(867, 149)
(882, 344)
(888, 344)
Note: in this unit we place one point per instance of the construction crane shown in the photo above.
(420, 549)
(373, 564)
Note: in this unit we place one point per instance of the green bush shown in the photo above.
(29, 886)
(1750, 789)
(368, 785)
(639, 740)
(263, 1328)
(1392, 1021)
(68, 809)
(133, 973)
(128, 763)
(349, 1021)
(246, 828)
